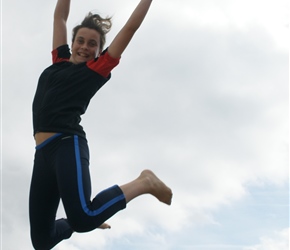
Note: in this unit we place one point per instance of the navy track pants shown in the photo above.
(61, 171)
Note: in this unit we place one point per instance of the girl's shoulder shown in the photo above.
(60, 54)
(104, 64)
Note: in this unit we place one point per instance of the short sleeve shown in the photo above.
(61, 54)
(104, 64)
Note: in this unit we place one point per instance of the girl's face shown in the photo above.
(86, 45)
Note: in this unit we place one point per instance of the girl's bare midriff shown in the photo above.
(40, 137)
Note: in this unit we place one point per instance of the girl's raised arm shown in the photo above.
(125, 35)
(61, 13)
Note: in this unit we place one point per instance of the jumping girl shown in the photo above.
(61, 164)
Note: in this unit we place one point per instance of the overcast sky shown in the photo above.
(200, 97)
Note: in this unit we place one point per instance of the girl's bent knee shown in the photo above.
(40, 244)
(82, 225)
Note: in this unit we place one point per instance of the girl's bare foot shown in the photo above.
(147, 183)
(156, 187)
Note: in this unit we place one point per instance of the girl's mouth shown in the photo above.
(82, 54)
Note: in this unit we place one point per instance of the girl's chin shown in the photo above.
(82, 59)
(79, 59)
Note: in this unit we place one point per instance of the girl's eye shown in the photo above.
(93, 44)
(80, 41)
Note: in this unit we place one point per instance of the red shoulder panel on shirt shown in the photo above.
(56, 58)
(104, 64)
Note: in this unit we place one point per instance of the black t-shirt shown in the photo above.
(65, 89)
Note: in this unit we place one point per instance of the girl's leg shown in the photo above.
(74, 183)
(72, 167)
(147, 183)
(43, 203)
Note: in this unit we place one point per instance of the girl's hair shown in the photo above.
(96, 22)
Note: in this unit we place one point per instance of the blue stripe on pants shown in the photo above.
(81, 190)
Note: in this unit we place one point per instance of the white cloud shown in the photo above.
(276, 241)
(272, 16)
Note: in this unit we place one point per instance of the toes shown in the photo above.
(104, 226)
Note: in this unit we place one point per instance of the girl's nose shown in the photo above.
(84, 46)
